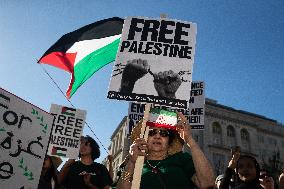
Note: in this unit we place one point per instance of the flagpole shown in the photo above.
(71, 105)
(140, 160)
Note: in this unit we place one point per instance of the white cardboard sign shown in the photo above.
(67, 131)
(154, 62)
(24, 135)
(194, 114)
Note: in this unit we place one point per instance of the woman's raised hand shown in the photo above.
(138, 148)
(183, 127)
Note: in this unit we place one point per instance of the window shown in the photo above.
(231, 136)
(245, 139)
(231, 131)
(217, 133)
(260, 138)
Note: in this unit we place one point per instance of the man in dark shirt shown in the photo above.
(85, 173)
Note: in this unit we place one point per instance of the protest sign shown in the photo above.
(67, 131)
(154, 62)
(194, 114)
(24, 135)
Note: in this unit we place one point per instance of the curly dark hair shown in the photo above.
(94, 146)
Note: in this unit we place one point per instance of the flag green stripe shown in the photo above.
(84, 69)
(61, 154)
(164, 112)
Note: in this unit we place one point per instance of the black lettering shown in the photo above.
(133, 47)
(61, 118)
(166, 47)
(157, 50)
(187, 52)
(76, 133)
(196, 85)
(194, 119)
(196, 92)
(10, 122)
(197, 111)
(75, 144)
(6, 170)
(191, 99)
(59, 128)
(68, 131)
(5, 98)
(62, 140)
(68, 142)
(70, 121)
(79, 123)
(53, 140)
(124, 44)
(140, 48)
(174, 50)
(149, 46)
(134, 28)
(23, 118)
(164, 30)
(150, 26)
(179, 32)
(139, 108)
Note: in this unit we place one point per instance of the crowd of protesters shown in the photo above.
(165, 166)
(244, 172)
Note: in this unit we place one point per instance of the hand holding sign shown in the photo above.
(166, 83)
(184, 128)
(134, 70)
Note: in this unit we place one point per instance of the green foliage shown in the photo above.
(26, 172)
(40, 119)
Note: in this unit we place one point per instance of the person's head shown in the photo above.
(247, 168)
(159, 139)
(218, 181)
(89, 147)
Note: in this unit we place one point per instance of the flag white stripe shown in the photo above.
(83, 48)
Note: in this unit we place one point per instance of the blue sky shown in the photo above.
(239, 53)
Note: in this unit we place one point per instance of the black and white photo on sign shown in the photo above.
(194, 114)
(154, 62)
(67, 131)
(24, 135)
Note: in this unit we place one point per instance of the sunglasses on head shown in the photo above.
(162, 133)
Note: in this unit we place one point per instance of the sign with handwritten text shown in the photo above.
(24, 135)
(67, 130)
(194, 113)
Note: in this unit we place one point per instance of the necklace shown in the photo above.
(154, 169)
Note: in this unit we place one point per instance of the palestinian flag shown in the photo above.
(162, 118)
(68, 111)
(58, 151)
(86, 50)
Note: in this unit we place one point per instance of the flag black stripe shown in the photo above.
(100, 29)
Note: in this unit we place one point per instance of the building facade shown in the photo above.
(225, 128)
